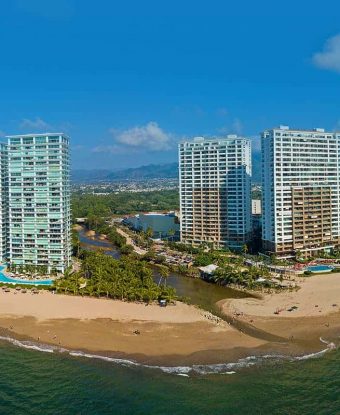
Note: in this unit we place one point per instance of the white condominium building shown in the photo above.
(301, 184)
(215, 191)
(37, 193)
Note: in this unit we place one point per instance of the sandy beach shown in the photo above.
(174, 333)
(301, 316)
(318, 295)
(179, 334)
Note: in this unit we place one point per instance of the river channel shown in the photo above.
(199, 292)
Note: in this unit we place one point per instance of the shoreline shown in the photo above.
(199, 363)
(169, 336)
(302, 317)
(202, 362)
(177, 333)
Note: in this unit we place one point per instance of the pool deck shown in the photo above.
(7, 278)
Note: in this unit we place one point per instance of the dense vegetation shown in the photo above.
(123, 203)
(232, 270)
(100, 226)
(125, 279)
(178, 246)
(242, 276)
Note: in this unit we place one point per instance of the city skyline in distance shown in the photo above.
(127, 83)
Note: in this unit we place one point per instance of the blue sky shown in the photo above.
(128, 79)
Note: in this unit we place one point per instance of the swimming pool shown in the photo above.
(9, 280)
(320, 268)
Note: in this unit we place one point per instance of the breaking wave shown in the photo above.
(185, 371)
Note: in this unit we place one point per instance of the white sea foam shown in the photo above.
(312, 355)
(330, 345)
(220, 368)
(29, 345)
(106, 358)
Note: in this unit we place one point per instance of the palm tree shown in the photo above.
(171, 233)
(164, 273)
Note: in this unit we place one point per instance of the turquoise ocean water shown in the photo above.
(36, 382)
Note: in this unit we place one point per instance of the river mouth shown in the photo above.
(208, 296)
(200, 293)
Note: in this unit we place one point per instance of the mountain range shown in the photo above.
(151, 171)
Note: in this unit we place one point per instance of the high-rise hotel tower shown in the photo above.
(35, 193)
(301, 191)
(215, 191)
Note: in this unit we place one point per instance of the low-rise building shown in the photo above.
(163, 225)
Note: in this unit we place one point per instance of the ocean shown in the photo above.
(53, 382)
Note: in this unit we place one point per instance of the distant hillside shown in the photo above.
(256, 167)
(89, 175)
(151, 171)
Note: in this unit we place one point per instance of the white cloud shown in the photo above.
(37, 124)
(149, 136)
(329, 58)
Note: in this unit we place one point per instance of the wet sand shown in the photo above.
(301, 316)
(181, 334)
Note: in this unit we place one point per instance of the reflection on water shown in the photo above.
(94, 243)
(200, 292)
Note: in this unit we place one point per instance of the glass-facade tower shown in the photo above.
(3, 200)
(36, 192)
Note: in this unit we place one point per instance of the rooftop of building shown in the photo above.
(300, 130)
(228, 137)
(36, 135)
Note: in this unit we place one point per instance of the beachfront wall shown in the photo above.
(38, 193)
